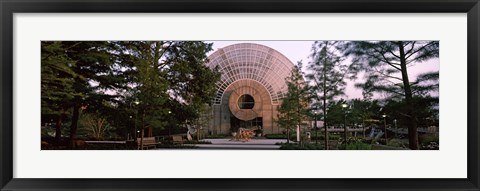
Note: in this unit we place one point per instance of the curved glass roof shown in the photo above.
(251, 61)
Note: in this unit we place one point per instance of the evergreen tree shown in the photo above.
(56, 83)
(96, 73)
(386, 65)
(364, 110)
(105, 78)
(192, 83)
(326, 76)
(168, 78)
(294, 108)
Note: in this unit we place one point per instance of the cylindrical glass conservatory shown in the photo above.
(251, 88)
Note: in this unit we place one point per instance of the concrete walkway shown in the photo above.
(253, 144)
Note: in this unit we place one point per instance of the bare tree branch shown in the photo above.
(418, 50)
(411, 48)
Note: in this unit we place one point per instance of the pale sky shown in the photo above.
(300, 50)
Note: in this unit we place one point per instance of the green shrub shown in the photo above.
(47, 132)
(313, 147)
(431, 146)
(289, 146)
(334, 137)
(351, 140)
(322, 137)
(396, 143)
(293, 137)
(426, 139)
(355, 146)
(295, 146)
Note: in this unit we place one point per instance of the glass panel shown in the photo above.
(246, 102)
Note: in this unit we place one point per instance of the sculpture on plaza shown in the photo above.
(191, 131)
(244, 134)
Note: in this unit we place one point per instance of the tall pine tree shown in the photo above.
(57, 84)
(326, 73)
(95, 73)
(386, 66)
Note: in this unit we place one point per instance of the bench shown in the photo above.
(177, 139)
(148, 142)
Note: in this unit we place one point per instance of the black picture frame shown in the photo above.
(9, 7)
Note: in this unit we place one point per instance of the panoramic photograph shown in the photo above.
(240, 95)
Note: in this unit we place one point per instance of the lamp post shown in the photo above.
(385, 125)
(395, 123)
(136, 102)
(129, 130)
(344, 106)
(169, 125)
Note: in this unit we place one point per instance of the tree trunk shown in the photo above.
(58, 127)
(288, 135)
(142, 130)
(412, 123)
(198, 134)
(363, 126)
(299, 120)
(150, 131)
(58, 130)
(325, 103)
(73, 126)
(345, 127)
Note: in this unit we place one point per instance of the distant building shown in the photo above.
(251, 88)
(319, 124)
